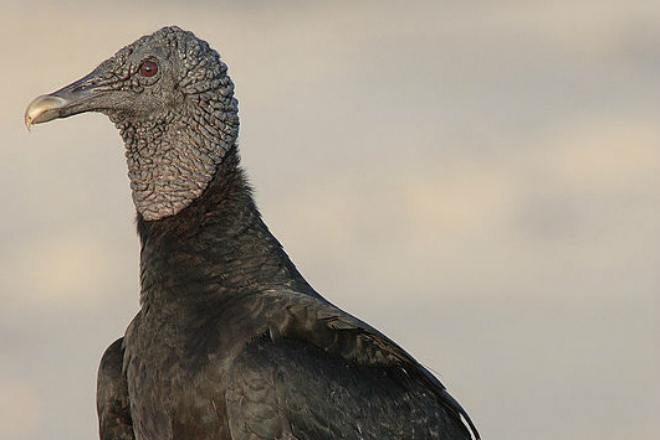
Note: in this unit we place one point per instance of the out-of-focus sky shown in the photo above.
(479, 180)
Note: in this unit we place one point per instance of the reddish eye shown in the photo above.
(149, 68)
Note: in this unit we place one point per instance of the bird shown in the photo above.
(230, 341)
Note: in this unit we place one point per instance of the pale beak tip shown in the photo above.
(28, 122)
(43, 108)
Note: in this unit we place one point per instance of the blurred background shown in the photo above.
(481, 182)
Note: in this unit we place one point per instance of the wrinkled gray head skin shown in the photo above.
(169, 95)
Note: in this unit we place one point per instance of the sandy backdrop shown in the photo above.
(481, 182)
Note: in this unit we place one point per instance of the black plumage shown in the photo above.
(230, 342)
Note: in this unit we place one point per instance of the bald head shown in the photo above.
(169, 95)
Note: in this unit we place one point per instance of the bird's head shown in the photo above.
(171, 98)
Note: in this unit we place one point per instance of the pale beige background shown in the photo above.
(481, 182)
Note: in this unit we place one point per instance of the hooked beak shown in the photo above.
(68, 101)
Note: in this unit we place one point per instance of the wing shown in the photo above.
(112, 396)
(319, 373)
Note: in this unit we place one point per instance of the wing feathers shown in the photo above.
(312, 322)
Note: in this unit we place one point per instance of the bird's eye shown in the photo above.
(149, 68)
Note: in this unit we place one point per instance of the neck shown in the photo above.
(169, 166)
(216, 246)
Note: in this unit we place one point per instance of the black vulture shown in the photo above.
(230, 341)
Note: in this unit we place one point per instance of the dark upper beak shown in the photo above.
(68, 101)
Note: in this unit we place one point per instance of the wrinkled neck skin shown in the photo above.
(169, 163)
(201, 233)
